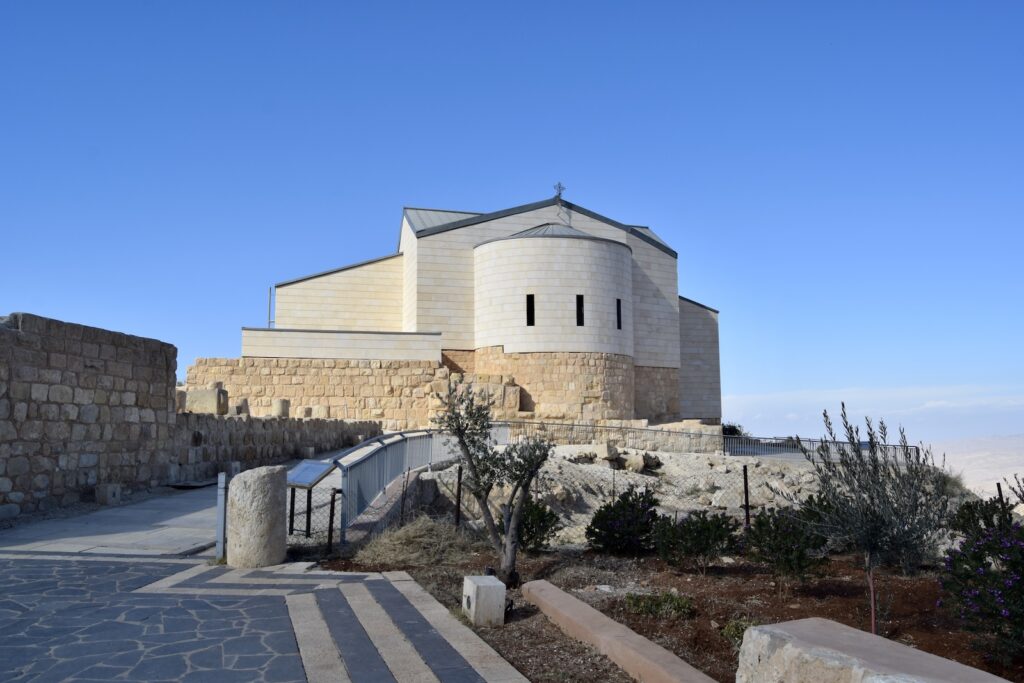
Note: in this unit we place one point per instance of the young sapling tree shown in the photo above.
(466, 417)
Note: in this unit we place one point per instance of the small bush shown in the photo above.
(698, 539)
(984, 581)
(665, 605)
(733, 429)
(734, 630)
(977, 516)
(537, 526)
(786, 543)
(625, 526)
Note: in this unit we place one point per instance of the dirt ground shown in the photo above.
(734, 591)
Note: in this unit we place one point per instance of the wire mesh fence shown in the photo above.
(313, 518)
(672, 441)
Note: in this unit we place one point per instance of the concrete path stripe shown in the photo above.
(172, 580)
(319, 654)
(46, 555)
(400, 656)
(479, 654)
(361, 658)
(438, 653)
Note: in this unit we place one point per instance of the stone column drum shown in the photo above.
(257, 536)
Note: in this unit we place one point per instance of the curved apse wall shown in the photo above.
(554, 270)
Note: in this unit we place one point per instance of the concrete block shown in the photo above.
(637, 656)
(208, 401)
(257, 535)
(279, 407)
(823, 650)
(483, 600)
(108, 494)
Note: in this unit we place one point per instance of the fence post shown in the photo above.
(291, 513)
(343, 517)
(405, 486)
(746, 498)
(330, 522)
(222, 516)
(1002, 503)
(309, 510)
(458, 497)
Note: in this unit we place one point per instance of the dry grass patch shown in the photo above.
(424, 542)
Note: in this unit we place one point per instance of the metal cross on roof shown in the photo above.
(559, 189)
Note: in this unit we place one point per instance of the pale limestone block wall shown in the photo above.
(408, 246)
(459, 361)
(700, 387)
(655, 307)
(366, 297)
(554, 270)
(282, 343)
(398, 394)
(657, 393)
(82, 406)
(566, 386)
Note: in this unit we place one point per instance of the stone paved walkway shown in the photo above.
(93, 598)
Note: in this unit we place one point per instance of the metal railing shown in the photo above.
(386, 458)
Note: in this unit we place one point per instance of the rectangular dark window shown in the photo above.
(579, 310)
(618, 314)
(529, 310)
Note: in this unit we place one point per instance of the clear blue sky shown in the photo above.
(844, 181)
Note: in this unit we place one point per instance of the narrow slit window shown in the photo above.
(618, 314)
(579, 310)
(529, 310)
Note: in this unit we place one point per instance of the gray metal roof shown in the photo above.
(551, 230)
(644, 233)
(555, 230)
(422, 219)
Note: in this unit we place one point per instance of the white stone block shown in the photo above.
(257, 536)
(108, 494)
(208, 401)
(822, 650)
(483, 600)
(279, 407)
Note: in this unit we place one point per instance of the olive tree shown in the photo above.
(886, 502)
(466, 417)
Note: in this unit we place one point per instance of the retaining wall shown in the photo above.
(81, 406)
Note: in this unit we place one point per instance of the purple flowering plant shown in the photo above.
(984, 587)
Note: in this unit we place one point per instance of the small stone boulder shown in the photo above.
(634, 462)
(208, 401)
(279, 407)
(257, 536)
(823, 650)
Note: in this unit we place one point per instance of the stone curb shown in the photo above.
(640, 658)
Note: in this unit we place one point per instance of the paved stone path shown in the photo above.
(181, 522)
(110, 596)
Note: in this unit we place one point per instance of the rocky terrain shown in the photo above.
(579, 479)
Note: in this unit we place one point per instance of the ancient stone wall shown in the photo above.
(459, 361)
(399, 394)
(566, 386)
(657, 393)
(73, 401)
(81, 406)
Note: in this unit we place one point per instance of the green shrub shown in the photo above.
(666, 605)
(624, 526)
(786, 543)
(537, 526)
(976, 516)
(984, 581)
(735, 628)
(698, 539)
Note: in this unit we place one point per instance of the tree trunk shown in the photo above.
(870, 571)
